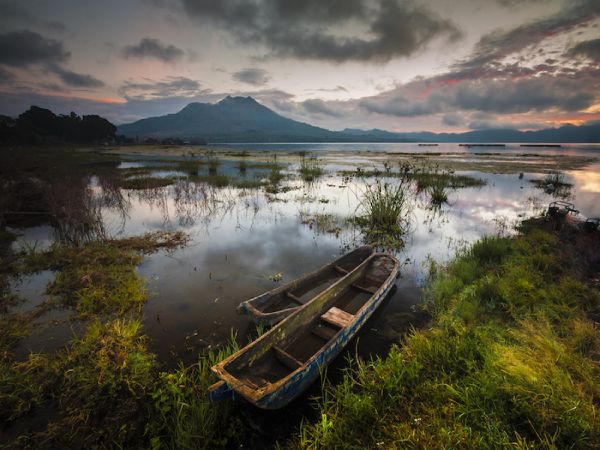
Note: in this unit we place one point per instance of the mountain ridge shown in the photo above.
(243, 119)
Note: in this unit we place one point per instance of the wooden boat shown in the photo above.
(282, 363)
(273, 306)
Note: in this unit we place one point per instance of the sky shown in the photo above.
(399, 65)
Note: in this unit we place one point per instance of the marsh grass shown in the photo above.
(100, 277)
(555, 184)
(310, 169)
(212, 179)
(386, 213)
(182, 415)
(508, 361)
(149, 182)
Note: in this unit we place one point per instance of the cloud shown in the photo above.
(170, 87)
(6, 76)
(497, 45)
(318, 106)
(75, 79)
(334, 31)
(452, 120)
(499, 125)
(153, 48)
(255, 77)
(589, 49)
(12, 12)
(23, 48)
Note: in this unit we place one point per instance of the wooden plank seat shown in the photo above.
(336, 316)
(295, 298)
(323, 331)
(340, 269)
(286, 359)
(368, 290)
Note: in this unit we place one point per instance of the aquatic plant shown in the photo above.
(386, 213)
(146, 182)
(555, 184)
(310, 169)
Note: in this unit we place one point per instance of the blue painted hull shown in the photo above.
(302, 380)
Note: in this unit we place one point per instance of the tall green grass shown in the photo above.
(310, 169)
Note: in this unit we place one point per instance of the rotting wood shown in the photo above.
(323, 332)
(337, 317)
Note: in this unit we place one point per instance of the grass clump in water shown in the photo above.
(310, 169)
(386, 213)
(141, 183)
(555, 184)
(509, 360)
(212, 179)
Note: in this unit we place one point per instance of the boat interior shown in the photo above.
(308, 288)
(290, 344)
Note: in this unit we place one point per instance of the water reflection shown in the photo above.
(241, 236)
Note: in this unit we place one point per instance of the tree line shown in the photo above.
(41, 126)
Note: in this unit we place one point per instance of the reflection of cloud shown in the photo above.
(587, 181)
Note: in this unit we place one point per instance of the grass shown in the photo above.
(555, 184)
(386, 214)
(181, 416)
(212, 179)
(310, 169)
(99, 277)
(508, 360)
(146, 183)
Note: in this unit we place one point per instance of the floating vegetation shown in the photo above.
(212, 179)
(276, 277)
(146, 183)
(555, 184)
(323, 222)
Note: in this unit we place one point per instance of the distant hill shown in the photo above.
(243, 119)
(233, 119)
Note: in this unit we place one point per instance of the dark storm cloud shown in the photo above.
(501, 96)
(589, 49)
(318, 106)
(453, 120)
(499, 44)
(13, 12)
(171, 87)
(255, 77)
(376, 31)
(499, 125)
(23, 48)
(75, 79)
(153, 48)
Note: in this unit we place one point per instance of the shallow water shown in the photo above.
(242, 237)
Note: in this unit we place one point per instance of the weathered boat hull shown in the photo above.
(257, 308)
(248, 371)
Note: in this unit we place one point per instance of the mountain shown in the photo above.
(243, 119)
(233, 119)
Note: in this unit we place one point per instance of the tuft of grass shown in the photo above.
(310, 169)
(509, 360)
(555, 184)
(386, 214)
(213, 165)
(181, 415)
(141, 183)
